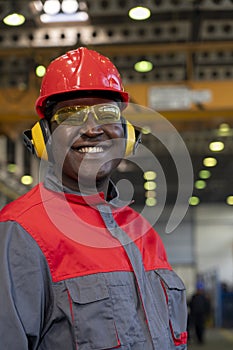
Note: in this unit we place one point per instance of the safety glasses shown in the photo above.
(77, 115)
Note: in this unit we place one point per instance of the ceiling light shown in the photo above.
(69, 6)
(14, 19)
(224, 127)
(150, 185)
(27, 180)
(150, 194)
(194, 200)
(52, 7)
(80, 16)
(216, 146)
(40, 71)
(139, 13)
(11, 168)
(149, 175)
(143, 66)
(37, 5)
(204, 174)
(151, 202)
(229, 200)
(200, 184)
(210, 161)
(224, 130)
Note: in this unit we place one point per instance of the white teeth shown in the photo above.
(91, 149)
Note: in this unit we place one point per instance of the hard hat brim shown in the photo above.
(41, 101)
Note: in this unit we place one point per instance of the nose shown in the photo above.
(91, 128)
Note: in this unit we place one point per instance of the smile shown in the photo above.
(90, 149)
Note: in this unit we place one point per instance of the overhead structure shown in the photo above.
(184, 49)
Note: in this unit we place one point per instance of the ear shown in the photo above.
(37, 139)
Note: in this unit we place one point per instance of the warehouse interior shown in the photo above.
(181, 97)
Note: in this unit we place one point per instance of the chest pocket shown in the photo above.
(91, 308)
(175, 294)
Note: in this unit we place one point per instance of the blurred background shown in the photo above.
(175, 57)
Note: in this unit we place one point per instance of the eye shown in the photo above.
(70, 115)
(108, 112)
(74, 120)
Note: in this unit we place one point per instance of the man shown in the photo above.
(199, 312)
(79, 268)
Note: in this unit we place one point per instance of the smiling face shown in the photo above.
(85, 155)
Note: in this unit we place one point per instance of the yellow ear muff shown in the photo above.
(39, 139)
(130, 138)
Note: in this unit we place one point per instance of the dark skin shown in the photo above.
(85, 156)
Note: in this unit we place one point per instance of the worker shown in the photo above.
(79, 268)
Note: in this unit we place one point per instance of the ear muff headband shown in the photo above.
(130, 138)
(40, 138)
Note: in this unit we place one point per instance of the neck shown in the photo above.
(87, 187)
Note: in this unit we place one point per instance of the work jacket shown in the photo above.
(80, 272)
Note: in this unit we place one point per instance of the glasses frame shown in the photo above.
(86, 109)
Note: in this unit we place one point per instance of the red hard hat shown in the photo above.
(79, 70)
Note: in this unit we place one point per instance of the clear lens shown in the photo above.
(70, 116)
(77, 115)
(107, 113)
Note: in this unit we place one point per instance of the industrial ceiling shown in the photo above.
(185, 39)
(189, 43)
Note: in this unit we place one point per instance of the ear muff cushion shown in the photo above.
(40, 137)
(130, 138)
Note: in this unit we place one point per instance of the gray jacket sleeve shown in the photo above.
(25, 292)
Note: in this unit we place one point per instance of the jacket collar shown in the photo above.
(52, 183)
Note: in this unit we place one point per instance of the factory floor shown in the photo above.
(215, 339)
